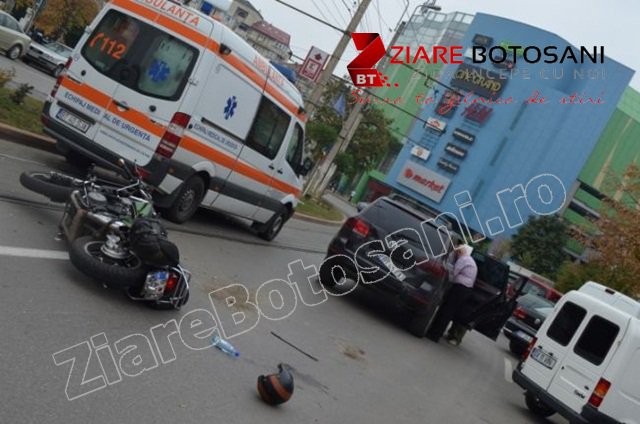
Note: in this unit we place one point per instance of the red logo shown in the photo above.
(408, 173)
(371, 50)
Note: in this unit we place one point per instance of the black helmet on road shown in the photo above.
(275, 389)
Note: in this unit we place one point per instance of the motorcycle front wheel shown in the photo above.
(57, 187)
(87, 254)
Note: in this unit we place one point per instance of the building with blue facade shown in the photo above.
(494, 164)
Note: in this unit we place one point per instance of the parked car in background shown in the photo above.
(539, 288)
(52, 56)
(13, 41)
(521, 327)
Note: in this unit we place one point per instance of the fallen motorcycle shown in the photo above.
(115, 235)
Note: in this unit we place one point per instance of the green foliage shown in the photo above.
(19, 95)
(538, 244)
(6, 75)
(25, 116)
(323, 135)
(572, 275)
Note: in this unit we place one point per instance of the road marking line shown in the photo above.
(508, 370)
(23, 252)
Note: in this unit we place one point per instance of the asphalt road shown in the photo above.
(353, 362)
(26, 74)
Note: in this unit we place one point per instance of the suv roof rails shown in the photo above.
(420, 207)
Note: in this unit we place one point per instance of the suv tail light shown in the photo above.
(526, 353)
(61, 77)
(599, 392)
(520, 313)
(173, 135)
(433, 267)
(358, 226)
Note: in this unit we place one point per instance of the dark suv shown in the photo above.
(399, 249)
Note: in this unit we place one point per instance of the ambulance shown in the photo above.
(207, 119)
(584, 362)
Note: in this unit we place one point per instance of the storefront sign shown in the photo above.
(482, 40)
(448, 104)
(481, 82)
(456, 151)
(436, 124)
(477, 113)
(424, 181)
(420, 152)
(448, 166)
(463, 136)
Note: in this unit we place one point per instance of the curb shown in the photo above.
(26, 138)
(309, 218)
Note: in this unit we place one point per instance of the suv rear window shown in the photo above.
(140, 56)
(596, 340)
(391, 218)
(566, 323)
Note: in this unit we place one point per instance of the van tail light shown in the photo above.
(599, 392)
(173, 135)
(61, 77)
(358, 227)
(526, 353)
(520, 313)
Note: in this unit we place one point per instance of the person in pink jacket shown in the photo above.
(462, 278)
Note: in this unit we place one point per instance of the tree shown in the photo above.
(613, 240)
(61, 16)
(539, 244)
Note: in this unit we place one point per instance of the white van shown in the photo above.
(585, 361)
(208, 119)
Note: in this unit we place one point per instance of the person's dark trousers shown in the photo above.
(453, 301)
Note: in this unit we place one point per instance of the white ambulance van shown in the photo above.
(208, 119)
(585, 360)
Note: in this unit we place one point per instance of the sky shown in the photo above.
(614, 24)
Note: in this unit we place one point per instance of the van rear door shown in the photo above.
(151, 67)
(588, 355)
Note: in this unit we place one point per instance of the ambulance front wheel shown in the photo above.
(187, 202)
(270, 230)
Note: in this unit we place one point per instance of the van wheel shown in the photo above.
(516, 349)
(536, 406)
(271, 229)
(188, 200)
(14, 52)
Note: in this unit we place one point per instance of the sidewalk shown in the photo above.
(341, 204)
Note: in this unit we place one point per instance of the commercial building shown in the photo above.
(616, 149)
(493, 164)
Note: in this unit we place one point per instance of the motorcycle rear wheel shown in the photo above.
(57, 187)
(86, 255)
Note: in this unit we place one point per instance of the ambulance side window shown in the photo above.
(294, 151)
(268, 129)
(564, 326)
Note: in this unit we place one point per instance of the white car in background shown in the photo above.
(51, 56)
(13, 41)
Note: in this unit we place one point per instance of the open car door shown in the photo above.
(489, 308)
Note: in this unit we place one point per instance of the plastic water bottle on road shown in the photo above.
(224, 346)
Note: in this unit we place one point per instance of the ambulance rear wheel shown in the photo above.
(187, 202)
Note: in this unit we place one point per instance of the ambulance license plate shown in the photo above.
(544, 358)
(73, 120)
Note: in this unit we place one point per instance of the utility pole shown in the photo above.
(323, 173)
(314, 98)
